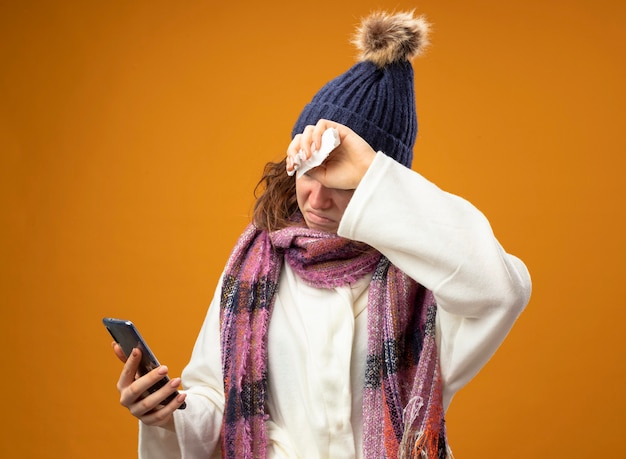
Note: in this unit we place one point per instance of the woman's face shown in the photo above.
(321, 207)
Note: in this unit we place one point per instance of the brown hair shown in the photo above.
(277, 200)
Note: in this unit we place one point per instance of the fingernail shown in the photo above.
(175, 382)
(162, 370)
(313, 147)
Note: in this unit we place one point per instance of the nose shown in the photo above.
(320, 196)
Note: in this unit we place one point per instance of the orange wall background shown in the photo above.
(133, 132)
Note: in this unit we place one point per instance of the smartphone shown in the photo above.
(127, 336)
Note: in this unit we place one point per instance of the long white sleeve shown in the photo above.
(446, 244)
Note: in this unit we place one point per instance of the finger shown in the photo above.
(138, 388)
(130, 370)
(292, 151)
(320, 128)
(162, 415)
(299, 150)
(149, 402)
(118, 351)
(306, 140)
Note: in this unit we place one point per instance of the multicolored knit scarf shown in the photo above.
(402, 390)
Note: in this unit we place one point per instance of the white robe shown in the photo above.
(317, 339)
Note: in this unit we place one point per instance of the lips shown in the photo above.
(317, 220)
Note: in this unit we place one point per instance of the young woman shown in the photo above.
(360, 299)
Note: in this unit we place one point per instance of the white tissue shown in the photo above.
(330, 141)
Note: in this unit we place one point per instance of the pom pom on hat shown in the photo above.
(384, 38)
(376, 96)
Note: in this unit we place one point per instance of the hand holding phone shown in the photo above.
(127, 336)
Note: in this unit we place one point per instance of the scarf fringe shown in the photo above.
(417, 445)
(421, 445)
